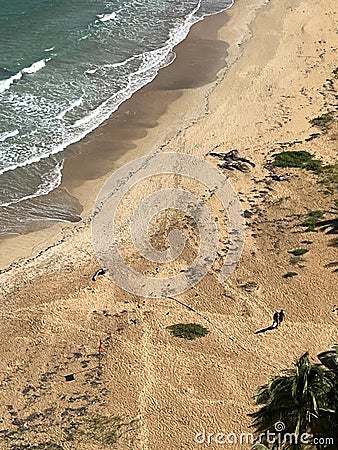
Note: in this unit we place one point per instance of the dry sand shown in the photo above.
(156, 390)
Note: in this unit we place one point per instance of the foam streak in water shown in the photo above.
(107, 17)
(8, 134)
(50, 181)
(35, 67)
(6, 84)
(69, 108)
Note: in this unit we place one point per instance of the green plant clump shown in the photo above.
(42, 446)
(322, 121)
(311, 221)
(290, 274)
(330, 177)
(188, 330)
(104, 429)
(298, 159)
(298, 251)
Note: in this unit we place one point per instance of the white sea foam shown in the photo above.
(86, 119)
(151, 63)
(49, 49)
(35, 67)
(69, 108)
(8, 134)
(144, 75)
(90, 71)
(50, 181)
(122, 63)
(107, 17)
(6, 84)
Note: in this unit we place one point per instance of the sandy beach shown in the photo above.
(268, 71)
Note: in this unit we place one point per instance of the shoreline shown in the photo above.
(138, 127)
(88, 162)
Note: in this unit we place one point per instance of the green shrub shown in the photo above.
(311, 221)
(104, 429)
(188, 330)
(299, 159)
(298, 251)
(322, 121)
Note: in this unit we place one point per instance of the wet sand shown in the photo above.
(132, 131)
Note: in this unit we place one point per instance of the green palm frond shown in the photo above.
(299, 399)
(259, 447)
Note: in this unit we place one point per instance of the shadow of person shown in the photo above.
(264, 330)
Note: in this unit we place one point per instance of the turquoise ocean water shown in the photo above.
(65, 67)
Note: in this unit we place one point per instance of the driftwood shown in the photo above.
(232, 161)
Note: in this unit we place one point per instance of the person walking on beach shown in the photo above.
(278, 318)
(275, 319)
(281, 316)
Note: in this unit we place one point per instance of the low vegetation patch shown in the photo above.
(188, 330)
(298, 159)
(290, 274)
(312, 219)
(104, 429)
(304, 160)
(298, 251)
(322, 121)
(42, 446)
(330, 176)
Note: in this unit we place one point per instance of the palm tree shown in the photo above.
(333, 416)
(293, 402)
(329, 415)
